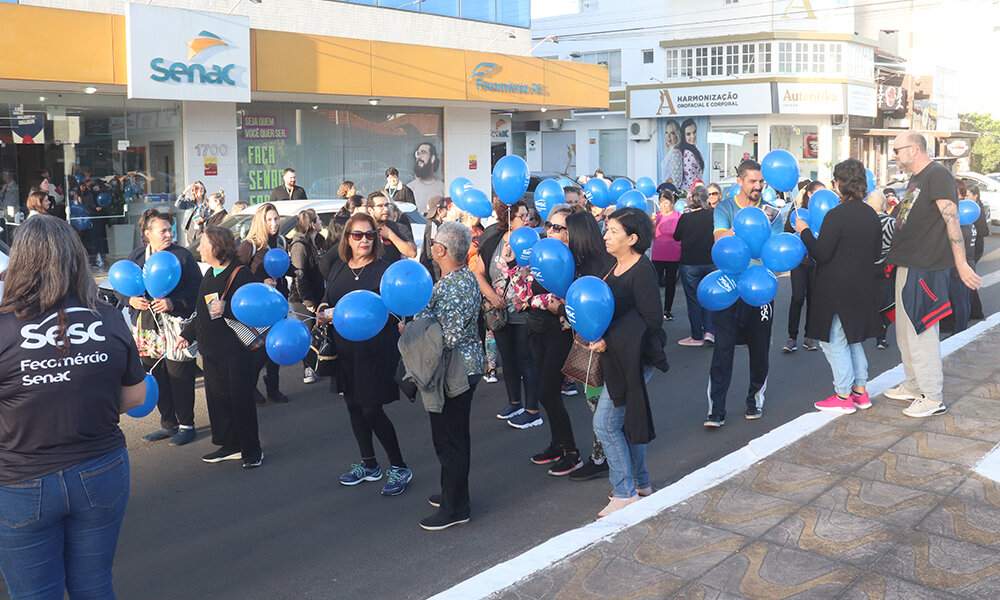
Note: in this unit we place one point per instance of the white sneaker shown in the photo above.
(924, 407)
(308, 376)
(900, 393)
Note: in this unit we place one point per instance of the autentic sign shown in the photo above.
(187, 55)
(484, 70)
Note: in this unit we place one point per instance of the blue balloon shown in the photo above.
(799, 213)
(718, 291)
(758, 286)
(731, 254)
(360, 315)
(288, 341)
(126, 278)
(783, 252)
(820, 203)
(276, 263)
(161, 273)
(618, 187)
(769, 195)
(633, 199)
(968, 212)
(753, 227)
(646, 185)
(78, 217)
(406, 287)
(780, 170)
(734, 190)
(152, 397)
(596, 192)
(259, 305)
(475, 202)
(458, 187)
(589, 306)
(510, 178)
(870, 178)
(104, 199)
(522, 240)
(548, 194)
(80, 178)
(552, 265)
(680, 205)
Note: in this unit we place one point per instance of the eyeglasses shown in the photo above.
(895, 151)
(713, 193)
(554, 227)
(380, 205)
(369, 235)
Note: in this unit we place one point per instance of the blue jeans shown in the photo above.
(699, 317)
(59, 532)
(626, 462)
(847, 361)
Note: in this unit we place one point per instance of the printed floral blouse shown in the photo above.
(455, 305)
(520, 284)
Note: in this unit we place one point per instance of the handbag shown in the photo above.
(172, 328)
(495, 318)
(583, 364)
(322, 355)
(251, 337)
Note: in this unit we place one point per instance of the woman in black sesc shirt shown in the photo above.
(68, 368)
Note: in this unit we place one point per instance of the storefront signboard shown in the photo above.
(500, 131)
(702, 100)
(862, 101)
(180, 54)
(810, 98)
(27, 128)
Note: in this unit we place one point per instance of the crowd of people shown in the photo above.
(59, 348)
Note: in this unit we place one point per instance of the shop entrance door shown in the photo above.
(161, 163)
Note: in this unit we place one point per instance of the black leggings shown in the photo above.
(550, 349)
(366, 420)
(518, 367)
(802, 278)
(666, 274)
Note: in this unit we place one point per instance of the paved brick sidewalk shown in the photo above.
(874, 505)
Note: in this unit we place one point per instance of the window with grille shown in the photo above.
(733, 59)
(784, 57)
(687, 62)
(749, 56)
(765, 57)
(701, 61)
(717, 60)
(647, 57)
(672, 62)
(801, 57)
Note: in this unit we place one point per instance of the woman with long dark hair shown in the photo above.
(845, 305)
(496, 271)
(64, 484)
(365, 369)
(666, 251)
(802, 279)
(586, 243)
(694, 164)
(630, 347)
(308, 285)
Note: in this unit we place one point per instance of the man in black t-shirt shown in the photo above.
(396, 237)
(928, 243)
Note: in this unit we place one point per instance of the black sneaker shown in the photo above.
(810, 344)
(882, 344)
(790, 346)
(549, 455)
(435, 500)
(590, 470)
(277, 397)
(253, 463)
(566, 465)
(439, 521)
(667, 316)
(753, 413)
(568, 387)
(714, 422)
(222, 454)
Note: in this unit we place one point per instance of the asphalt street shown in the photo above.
(290, 530)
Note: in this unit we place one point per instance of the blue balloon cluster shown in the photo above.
(618, 187)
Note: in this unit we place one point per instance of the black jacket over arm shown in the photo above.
(638, 316)
(849, 243)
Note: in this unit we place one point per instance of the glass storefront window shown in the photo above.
(327, 144)
(803, 142)
(730, 146)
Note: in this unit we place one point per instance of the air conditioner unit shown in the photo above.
(640, 130)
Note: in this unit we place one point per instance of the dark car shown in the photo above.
(539, 176)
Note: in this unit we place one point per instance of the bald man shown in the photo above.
(928, 243)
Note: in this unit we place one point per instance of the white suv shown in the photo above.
(989, 190)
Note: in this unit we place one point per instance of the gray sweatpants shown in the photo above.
(921, 353)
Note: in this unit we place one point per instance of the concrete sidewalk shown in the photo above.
(874, 505)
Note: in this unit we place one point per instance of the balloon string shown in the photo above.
(589, 362)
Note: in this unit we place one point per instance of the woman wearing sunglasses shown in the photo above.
(364, 371)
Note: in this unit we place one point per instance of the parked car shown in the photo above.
(989, 189)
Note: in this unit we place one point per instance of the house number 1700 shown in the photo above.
(211, 149)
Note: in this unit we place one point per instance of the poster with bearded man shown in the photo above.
(426, 183)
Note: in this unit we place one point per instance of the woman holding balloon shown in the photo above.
(495, 270)
(366, 360)
(845, 302)
(623, 420)
(308, 285)
(64, 484)
(148, 313)
(802, 277)
(262, 238)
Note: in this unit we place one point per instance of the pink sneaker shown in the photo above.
(862, 401)
(691, 342)
(836, 404)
